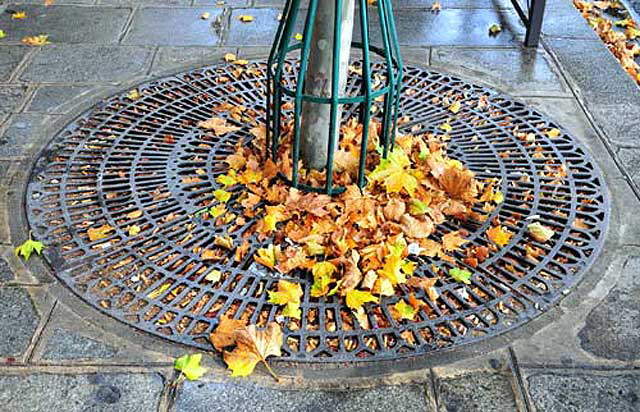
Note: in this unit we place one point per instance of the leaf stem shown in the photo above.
(275, 376)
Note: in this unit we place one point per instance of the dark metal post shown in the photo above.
(536, 13)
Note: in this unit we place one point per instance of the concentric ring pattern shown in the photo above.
(140, 161)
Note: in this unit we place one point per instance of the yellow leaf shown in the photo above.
(134, 230)
(268, 256)
(322, 278)
(298, 36)
(218, 125)
(217, 210)
(539, 232)
(356, 298)
(135, 214)
(553, 133)
(253, 346)
(402, 310)
(18, 15)
(499, 235)
(213, 276)
(205, 15)
(246, 18)
(229, 57)
(189, 365)
(99, 233)
(133, 94)
(392, 270)
(225, 242)
(2, 34)
(222, 195)
(40, 40)
(455, 107)
(452, 241)
(289, 294)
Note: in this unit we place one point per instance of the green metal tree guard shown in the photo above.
(285, 43)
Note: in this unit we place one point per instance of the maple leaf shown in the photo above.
(268, 256)
(253, 346)
(452, 241)
(99, 232)
(356, 298)
(322, 277)
(436, 7)
(18, 15)
(499, 236)
(39, 40)
(460, 275)
(415, 228)
(457, 183)
(223, 335)
(223, 241)
(394, 209)
(539, 232)
(553, 133)
(392, 270)
(221, 195)
(288, 294)
(394, 174)
(190, 367)
(229, 57)
(402, 310)
(218, 125)
(28, 247)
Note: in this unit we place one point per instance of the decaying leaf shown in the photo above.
(223, 335)
(253, 346)
(539, 232)
(39, 40)
(98, 233)
(219, 126)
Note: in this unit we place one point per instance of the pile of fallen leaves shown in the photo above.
(363, 244)
(618, 31)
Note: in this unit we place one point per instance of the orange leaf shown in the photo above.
(499, 235)
(223, 336)
(452, 241)
(253, 346)
(218, 125)
(99, 233)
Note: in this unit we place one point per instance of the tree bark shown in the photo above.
(314, 133)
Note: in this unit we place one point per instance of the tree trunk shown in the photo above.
(314, 133)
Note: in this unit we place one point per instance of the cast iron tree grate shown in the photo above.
(143, 162)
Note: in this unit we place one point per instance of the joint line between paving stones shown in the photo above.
(38, 335)
(588, 368)
(154, 56)
(128, 24)
(26, 60)
(516, 371)
(599, 132)
(434, 389)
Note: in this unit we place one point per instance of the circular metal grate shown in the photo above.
(141, 162)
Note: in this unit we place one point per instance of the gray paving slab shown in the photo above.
(620, 122)
(517, 71)
(575, 392)
(231, 397)
(223, 3)
(88, 64)
(66, 24)
(609, 84)
(175, 57)
(412, 4)
(58, 2)
(175, 26)
(415, 27)
(22, 132)
(55, 99)
(18, 322)
(145, 2)
(11, 98)
(562, 19)
(630, 160)
(477, 392)
(612, 328)
(10, 57)
(100, 392)
(6, 274)
(66, 344)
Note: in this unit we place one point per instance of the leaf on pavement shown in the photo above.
(253, 346)
(28, 247)
(189, 365)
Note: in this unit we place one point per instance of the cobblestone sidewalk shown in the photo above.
(57, 354)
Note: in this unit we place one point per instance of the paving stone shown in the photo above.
(562, 19)
(619, 122)
(630, 160)
(612, 329)
(6, 273)
(23, 131)
(520, 71)
(10, 57)
(66, 344)
(18, 322)
(170, 57)
(158, 26)
(78, 393)
(584, 393)
(476, 392)
(415, 27)
(412, 4)
(58, 2)
(223, 3)
(66, 24)
(87, 63)
(145, 2)
(10, 99)
(228, 397)
(609, 84)
(54, 99)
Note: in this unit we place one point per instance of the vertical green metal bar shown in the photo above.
(399, 65)
(270, 85)
(288, 30)
(304, 60)
(390, 80)
(365, 107)
(335, 79)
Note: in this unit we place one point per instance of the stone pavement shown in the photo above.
(59, 354)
